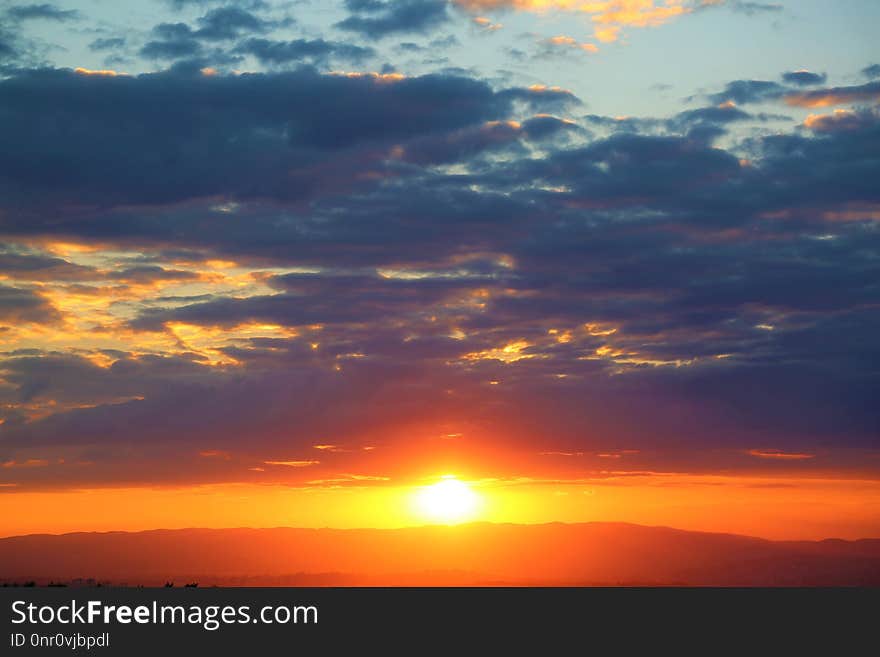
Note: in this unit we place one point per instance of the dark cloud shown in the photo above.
(540, 98)
(304, 50)
(231, 22)
(250, 5)
(179, 41)
(17, 48)
(174, 41)
(869, 92)
(462, 144)
(709, 115)
(872, 71)
(631, 124)
(444, 42)
(851, 121)
(409, 47)
(804, 78)
(539, 128)
(754, 8)
(198, 135)
(17, 305)
(743, 92)
(702, 124)
(39, 267)
(310, 299)
(419, 238)
(383, 19)
(41, 12)
(805, 172)
(150, 274)
(365, 5)
(69, 381)
(7, 51)
(107, 43)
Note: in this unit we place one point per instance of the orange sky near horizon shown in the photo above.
(776, 508)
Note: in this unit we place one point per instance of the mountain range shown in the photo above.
(479, 554)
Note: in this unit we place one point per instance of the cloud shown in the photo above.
(29, 463)
(107, 43)
(7, 50)
(751, 8)
(546, 126)
(567, 42)
(486, 24)
(209, 137)
(304, 50)
(780, 455)
(179, 41)
(175, 41)
(227, 23)
(842, 120)
(462, 144)
(18, 305)
(540, 97)
(250, 5)
(749, 91)
(872, 71)
(310, 298)
(717, 115)
(394, 17)
(804, 78)
(39, 267)
(151, 273)
(608, 16)
(437, 256)
(828, 97)
(41, 12)
(292, 464)
(18, 50)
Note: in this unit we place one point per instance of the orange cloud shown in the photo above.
(570, 42)
(840, 120)
(607, 34)
(215, 453)
(854, 212)
(378, 78)
(834, 96)
(509, 353)
(780, 455)
(486, 24)
(608, 15)
(107, 73)
(293, 464)
(820, 122)
(29, 463)
(544, 89)
(335, 482)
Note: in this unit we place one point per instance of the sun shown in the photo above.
(449, 501)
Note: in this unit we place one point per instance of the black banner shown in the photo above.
(107, 621)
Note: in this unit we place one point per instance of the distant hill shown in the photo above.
(474, 554)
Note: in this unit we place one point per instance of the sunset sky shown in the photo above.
(272, 263)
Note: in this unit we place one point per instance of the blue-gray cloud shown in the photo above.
(724, 292)
(41, 12)
(380, 19)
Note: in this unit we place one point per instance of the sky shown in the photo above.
(284, 263)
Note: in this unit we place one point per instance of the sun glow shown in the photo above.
(448, 501)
